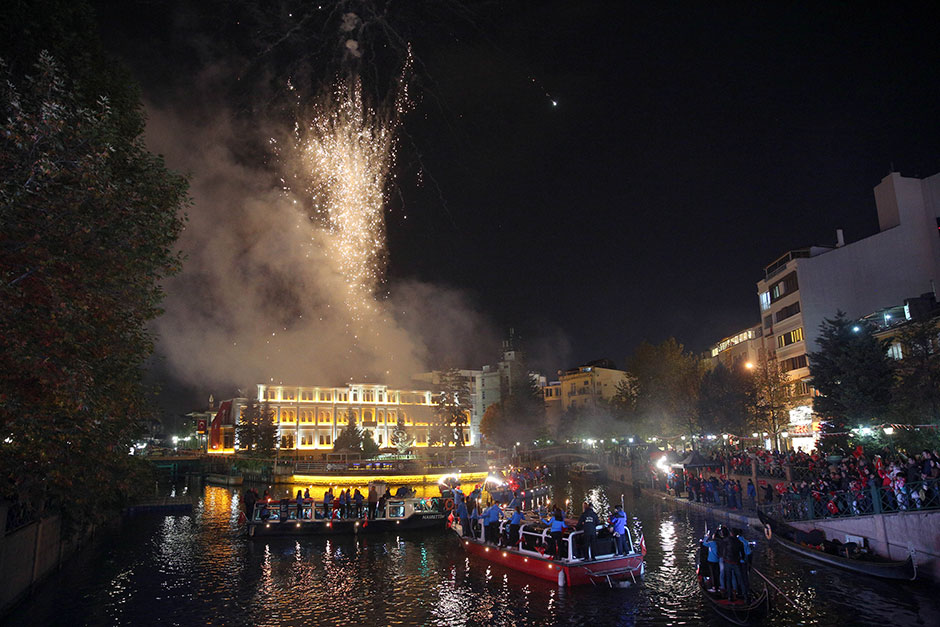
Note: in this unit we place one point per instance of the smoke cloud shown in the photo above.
(262, 295)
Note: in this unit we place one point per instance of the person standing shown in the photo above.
(556, 528)
(618, 522)
(514, 523)
(712, 561)
(493, 514)
(327, 502)
(730, 553)
(357, 500)
(463, 516)
(751, 494)
(587, 524)
(372, 501)
(744, 580)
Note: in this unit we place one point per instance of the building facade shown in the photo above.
(310, 418)
(744, 349)
(803, 287)
(583, 386)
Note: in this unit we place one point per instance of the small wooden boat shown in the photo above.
(738, 611)
(585, 470)
(813, 544)
(529, 556)
(288, 517)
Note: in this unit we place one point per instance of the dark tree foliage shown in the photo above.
(453, 407)
(518, 417)
(726, 400)
(89, 220)
(369, 446)
(852, 373)
(247, 429)
(668, 380)
(917, 388)
(267, 431)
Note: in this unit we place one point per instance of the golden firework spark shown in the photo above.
(347, 151)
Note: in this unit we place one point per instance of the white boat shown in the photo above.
(586, 470)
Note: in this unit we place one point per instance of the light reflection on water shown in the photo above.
(200, 569)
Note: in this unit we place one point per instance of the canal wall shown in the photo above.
(28, 554)
(890, 535)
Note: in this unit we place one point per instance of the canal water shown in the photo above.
(200, 569)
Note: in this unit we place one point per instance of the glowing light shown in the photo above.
(888, 430)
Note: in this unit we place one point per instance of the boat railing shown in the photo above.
(913, 496)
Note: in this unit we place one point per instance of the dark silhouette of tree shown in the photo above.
(917, 388)
(852, 374)
(453, 407)
(89, 220)
(726, 400)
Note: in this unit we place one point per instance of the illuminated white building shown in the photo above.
(310, 418)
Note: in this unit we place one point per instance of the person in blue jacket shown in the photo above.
(516, 501)
(618, 521)
(514, 523)
(712, 545)
(556, 528)
(475, 520)
(463, 516)
(493, 514)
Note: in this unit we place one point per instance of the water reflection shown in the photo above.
(200, 569)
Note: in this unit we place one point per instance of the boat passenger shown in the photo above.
(383, 499)
(745, 584)
(463, 516)
(514, 523)
(730, 552)
(475, 518)
(344, 504)
(307, 493)
(516, 501)
(556, 528)
(712, 545)
(493, 514)
(357, 501)
(300, 504)
(372, 501)
(618, 524)
(587, 523)
(327, 502)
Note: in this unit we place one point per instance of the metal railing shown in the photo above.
(913, 496)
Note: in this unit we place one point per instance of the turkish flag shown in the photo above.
(201, 425)
(215, 429)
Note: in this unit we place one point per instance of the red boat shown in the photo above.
(529, 556)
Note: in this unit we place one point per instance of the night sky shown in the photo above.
(690, 146)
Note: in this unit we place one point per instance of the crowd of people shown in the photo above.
(833, 484)
(350, 503)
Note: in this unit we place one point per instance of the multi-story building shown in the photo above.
(310, 418)
(803, 287)
(741, 350)
(583, 386)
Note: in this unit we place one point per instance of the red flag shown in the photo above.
(215, 428)
(365, 515)
(642, 545)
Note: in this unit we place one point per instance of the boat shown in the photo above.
(813, 544)
(222, 479)
(529, 556)
(288, 517)
(737, 611)
(586, 470)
